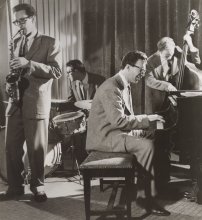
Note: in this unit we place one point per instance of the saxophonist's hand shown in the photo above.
(19, 62)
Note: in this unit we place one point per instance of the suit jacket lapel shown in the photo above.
(175, 66)
(121, 87)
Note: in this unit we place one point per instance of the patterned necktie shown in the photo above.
(23, 46)
(169, 73)
(80, 90)
(169, 66)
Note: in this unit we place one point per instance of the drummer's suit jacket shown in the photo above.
(94, 81)
(110, 122)
(45, 65)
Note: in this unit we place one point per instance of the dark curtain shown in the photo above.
(112, 28)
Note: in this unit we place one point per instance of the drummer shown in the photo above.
(81, 84)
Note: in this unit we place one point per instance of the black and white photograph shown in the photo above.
(100, 109)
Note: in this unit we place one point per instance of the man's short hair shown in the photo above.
(76, 65)
(164, 42)
(132, 57)
(30, 11)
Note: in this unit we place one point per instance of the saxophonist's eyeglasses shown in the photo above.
(21, 21)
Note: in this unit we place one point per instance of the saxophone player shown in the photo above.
(38, 59)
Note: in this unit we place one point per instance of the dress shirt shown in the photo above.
(165, 66)
(83, 86)
(30, 39)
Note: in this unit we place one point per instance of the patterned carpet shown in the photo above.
(66, 202)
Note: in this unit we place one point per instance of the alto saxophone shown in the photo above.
(14, 76)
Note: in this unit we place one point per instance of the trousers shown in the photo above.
(35, 133)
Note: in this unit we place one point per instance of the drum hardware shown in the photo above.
(2, 127)
(6, 102)
(69, 125)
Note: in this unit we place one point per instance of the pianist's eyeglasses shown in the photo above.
(142, 70)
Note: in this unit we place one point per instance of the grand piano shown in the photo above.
(184, 120)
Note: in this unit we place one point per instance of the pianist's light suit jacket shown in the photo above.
(110, 122)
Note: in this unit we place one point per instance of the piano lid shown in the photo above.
(191, 94)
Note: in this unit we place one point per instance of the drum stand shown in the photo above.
(72, 148)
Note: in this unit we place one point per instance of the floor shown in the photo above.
(65, 199)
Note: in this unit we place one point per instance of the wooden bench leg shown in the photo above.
(101, 185)
(87, 192)
(129, 181)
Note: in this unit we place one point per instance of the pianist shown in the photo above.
(113, 127)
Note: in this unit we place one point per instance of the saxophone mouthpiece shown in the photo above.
(20, 31)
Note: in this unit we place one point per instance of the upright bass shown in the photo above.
(189, 77)
(183, 75)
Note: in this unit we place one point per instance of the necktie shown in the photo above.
(169, 73)
(169, 66)
(23, 46)
(80, 90)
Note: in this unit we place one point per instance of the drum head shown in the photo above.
(67, 117)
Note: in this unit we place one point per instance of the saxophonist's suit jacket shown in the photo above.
(45, 65)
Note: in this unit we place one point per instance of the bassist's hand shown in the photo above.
(171, 88)
(187, 38)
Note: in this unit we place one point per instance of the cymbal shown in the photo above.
(4, 101)
(58, 101)
(84, 104)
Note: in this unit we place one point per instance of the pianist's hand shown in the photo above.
(156, 117)
(155, 120)
(171, 88)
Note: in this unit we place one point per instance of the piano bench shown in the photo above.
(107, 164)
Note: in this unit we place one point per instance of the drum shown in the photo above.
(56, 106)
(52, 160)
(70, 123)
